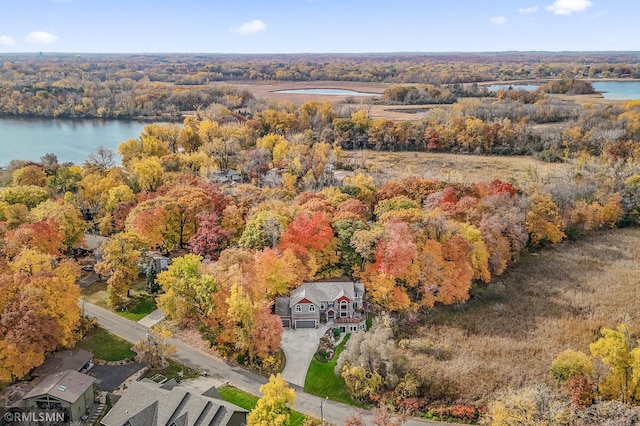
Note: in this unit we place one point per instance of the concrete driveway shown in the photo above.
(299, 346)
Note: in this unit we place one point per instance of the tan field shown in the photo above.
(457, 167)
(552, 301)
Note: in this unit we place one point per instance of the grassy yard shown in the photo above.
(106, 346)
(321, 380)
(140, 303)
(174, 370)
(248, 401)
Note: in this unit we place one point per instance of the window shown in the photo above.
(312, 308)
(298, 308)
(322, 306)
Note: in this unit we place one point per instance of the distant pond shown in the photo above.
(614, 90)
(334, 92)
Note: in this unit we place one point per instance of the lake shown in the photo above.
(613, 90)
(333, 92)
(70, 140)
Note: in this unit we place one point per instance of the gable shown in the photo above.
(343, 298)
(306, 301)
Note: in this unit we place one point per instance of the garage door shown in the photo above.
(286, 323)
(306, 324)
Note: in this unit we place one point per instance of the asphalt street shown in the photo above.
(334, 413)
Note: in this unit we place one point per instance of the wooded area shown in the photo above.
(252, 198)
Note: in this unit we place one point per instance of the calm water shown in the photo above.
(618, 90)
(614, 90)
(527, 87)
(334, 92)
(70, 140)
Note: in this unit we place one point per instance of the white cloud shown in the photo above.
(498, 20)
(567, 7)
(527, 10)
(6, 41)
(40, 37)
(252, 27)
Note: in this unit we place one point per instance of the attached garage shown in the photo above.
(286, 322)
(306, 324)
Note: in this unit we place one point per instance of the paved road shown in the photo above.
(334, 413)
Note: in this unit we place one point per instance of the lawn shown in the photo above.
(106, 346)
(140, 303)
(248, 401)
(321, 381)
(174, 370)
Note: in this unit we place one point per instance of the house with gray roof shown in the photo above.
(340, 303)
(70, 392)
(146, 403)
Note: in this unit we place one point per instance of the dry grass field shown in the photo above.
(457, 167)
(550, 301)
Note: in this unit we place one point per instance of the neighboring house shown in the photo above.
(160, 262)
(224, 176)
(147, 403)
(312, 303)
(69, 392)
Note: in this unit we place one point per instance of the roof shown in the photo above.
(66, 386)
(282, 306)
(146, 403)
(325, 291)
(57, 362)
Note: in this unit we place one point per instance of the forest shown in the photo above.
(301, 211)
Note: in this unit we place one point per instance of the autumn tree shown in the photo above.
(120, 261)
(311, 238)
(621, 353)
(210, 239)
(38, 313)
(543, 221)
(369, 362)
(72, 225)
(188, 291)
(154, 349)
(275, 406)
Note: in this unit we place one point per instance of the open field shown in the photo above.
(550, 301)
(457, 167)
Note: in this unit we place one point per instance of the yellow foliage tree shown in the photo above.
(275, 406)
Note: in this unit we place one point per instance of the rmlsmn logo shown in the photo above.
(30, 416)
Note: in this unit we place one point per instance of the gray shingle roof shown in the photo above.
(148, 402)
(66, 386)
(324, 291)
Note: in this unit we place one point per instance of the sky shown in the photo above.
(317, 26)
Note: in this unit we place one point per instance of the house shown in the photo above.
(147, 403)
(224, 176)
(340, 303)
(69, 392)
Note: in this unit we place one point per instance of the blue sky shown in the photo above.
(317, 26)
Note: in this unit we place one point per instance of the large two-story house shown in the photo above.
(340, 303)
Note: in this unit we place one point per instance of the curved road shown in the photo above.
(334, 412)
